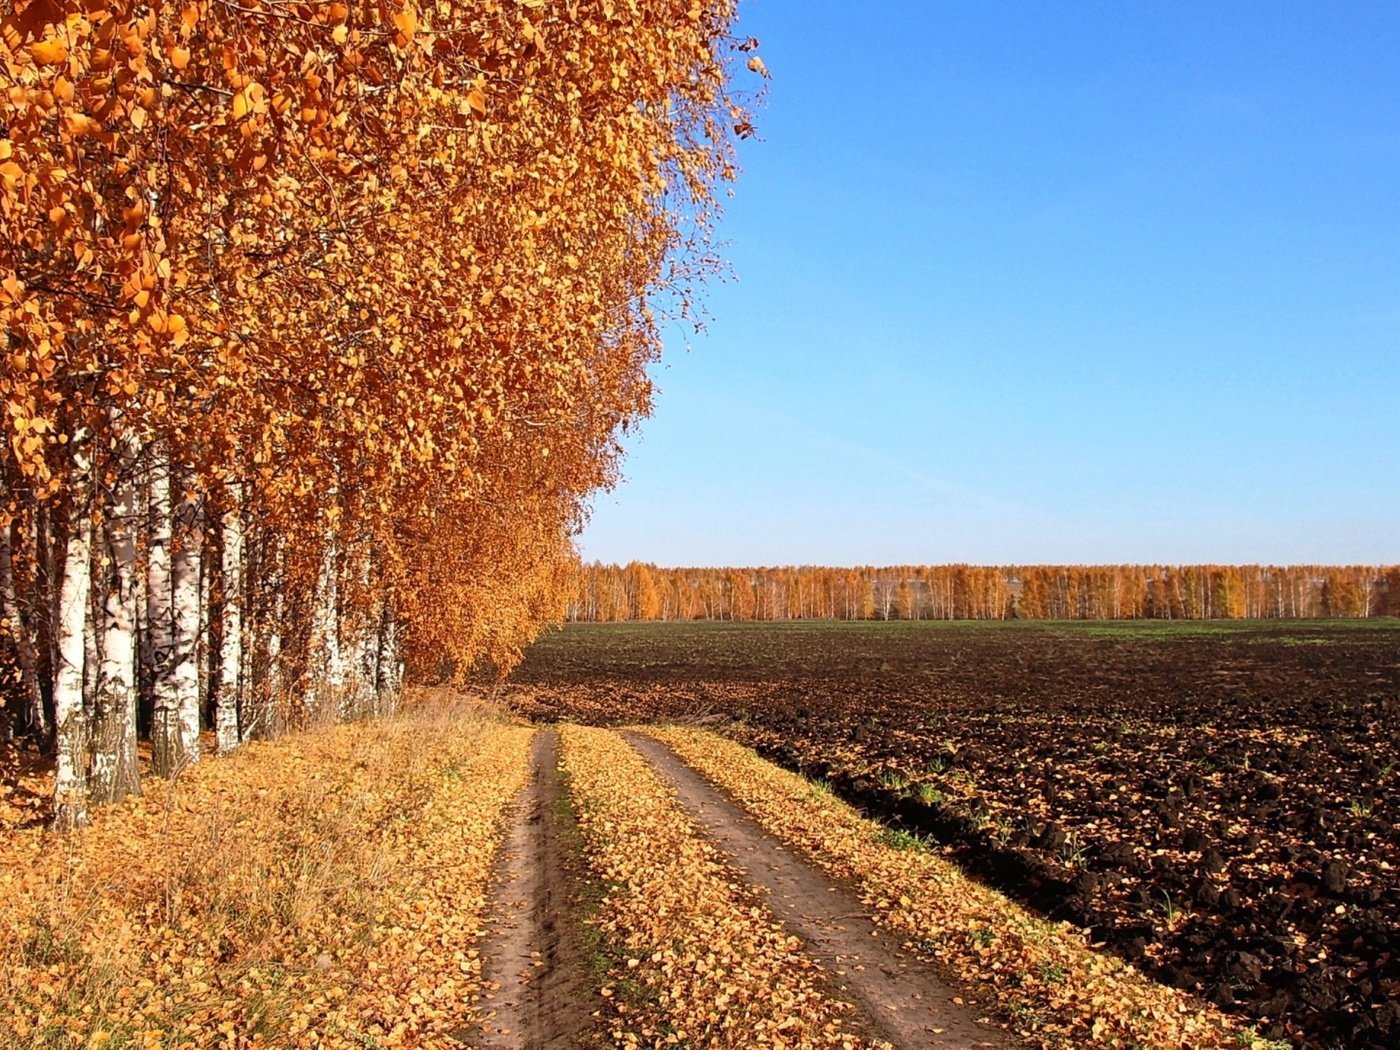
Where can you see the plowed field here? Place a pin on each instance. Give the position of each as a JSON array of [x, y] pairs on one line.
[[1217, 803]]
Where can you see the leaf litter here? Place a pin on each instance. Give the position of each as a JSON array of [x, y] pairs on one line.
[[322, 890], [693, 957]]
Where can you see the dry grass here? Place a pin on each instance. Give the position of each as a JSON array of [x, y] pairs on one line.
[[326, 889]]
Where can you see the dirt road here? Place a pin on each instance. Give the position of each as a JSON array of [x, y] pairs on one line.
[[536, 959], [902, 999]]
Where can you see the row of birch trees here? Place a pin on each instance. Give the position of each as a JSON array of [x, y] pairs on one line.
[[321, 320], [639, 591]]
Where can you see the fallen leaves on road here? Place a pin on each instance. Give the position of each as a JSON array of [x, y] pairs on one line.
[[695, 959]]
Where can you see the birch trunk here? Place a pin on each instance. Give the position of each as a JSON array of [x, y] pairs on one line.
[[231, 654], [367, 668], [92, 642], [44, 607], [389, 669], [246, 699], [143, 633], [167, 743], [263, 585], [206, 651], [272, 715], [362, 694], [22, 635], [115, 773], [70, 716], [184, 577], [325, 670]]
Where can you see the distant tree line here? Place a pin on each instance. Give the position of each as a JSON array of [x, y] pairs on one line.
[[640, 591]]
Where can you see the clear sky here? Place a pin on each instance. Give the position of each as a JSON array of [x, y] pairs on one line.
[[1044, 282]]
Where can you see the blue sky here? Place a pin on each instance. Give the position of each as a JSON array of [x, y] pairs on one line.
[[1034, 282]]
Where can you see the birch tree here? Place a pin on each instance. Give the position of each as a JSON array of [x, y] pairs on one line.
[[167, 742], [380, 278], [185, 619], [231, 676], [70, 713], [19, 624], [114, 767]]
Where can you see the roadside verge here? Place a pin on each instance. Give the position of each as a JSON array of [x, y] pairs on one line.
[[1049, 984]]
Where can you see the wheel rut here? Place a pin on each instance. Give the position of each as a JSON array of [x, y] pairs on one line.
[[902, 998], [534, 959]]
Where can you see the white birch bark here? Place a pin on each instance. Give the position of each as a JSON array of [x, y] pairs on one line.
[[247, 675], [92, 648], [114, 768], [231, 647], [184, 586], [335, 652], [206, 654], [70, 716], [167, 743], [246, 700]]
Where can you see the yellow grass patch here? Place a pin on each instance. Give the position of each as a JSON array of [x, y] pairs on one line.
[[322, 890]]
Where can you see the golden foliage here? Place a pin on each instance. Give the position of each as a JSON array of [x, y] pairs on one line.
[[638, 591], [389, 271]]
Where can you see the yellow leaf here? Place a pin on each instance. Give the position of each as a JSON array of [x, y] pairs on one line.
[[49, 52], [179, 57], [477, 101], [81, 123], [340, 34], [241, 106]]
